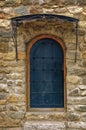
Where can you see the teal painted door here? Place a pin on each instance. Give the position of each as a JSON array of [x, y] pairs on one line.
[[46, 74]]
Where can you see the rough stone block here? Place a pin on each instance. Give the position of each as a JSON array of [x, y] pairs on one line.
[[73, 117], [73, 79], [76, 101], [83, 117], [21, 55], [77, 125], [75, 9], [81, 108], [44, 125], [82, 87], [3, 64], [2, 15], [3, 96], [12, 2], [14, 98], [84, 80], [5, 23], [3, 88], [5, 34], [8, 10], [85, 37], [16, 115], [12, 107], [2, 108], [22, 10], [70, 55], [82, 24], [18, 128], [81, 2], [54, 116], [83, 93], [1, 55], [75, 92], [36, 10], [18, 69], [71, 46], [1, 3], [60, 10], [3, 102], [4, 47], [1, 77], [9, 56], [15, 76], [84, 55], [79, 71], [10, 83], [84, 63], [19, 82]]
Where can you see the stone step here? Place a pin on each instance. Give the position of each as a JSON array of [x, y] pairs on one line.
[[44, 125]]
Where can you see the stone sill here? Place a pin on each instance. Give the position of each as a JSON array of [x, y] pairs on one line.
[[46, 110], [44, 125]]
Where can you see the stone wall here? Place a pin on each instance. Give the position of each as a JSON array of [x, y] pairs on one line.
[[13, 113]]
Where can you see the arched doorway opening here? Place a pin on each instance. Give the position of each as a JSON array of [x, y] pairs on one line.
[[46, 72]]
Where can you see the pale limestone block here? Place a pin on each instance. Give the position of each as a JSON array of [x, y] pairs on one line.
[[83, 126], [73, 117], [76, 101], [3, 88], [83, 93], [8, 10], [75, 92], [73, 79], [82, 24], [61, 10], [74, 125], [44, 125], [16, 115], [81, 108], [82, 87], [14, 98], [75, 9], [83, 117], [5, 23]]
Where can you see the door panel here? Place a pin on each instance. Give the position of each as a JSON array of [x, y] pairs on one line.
[[46, 74]]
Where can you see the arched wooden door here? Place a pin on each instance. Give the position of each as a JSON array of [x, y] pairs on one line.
[[46, 74]]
